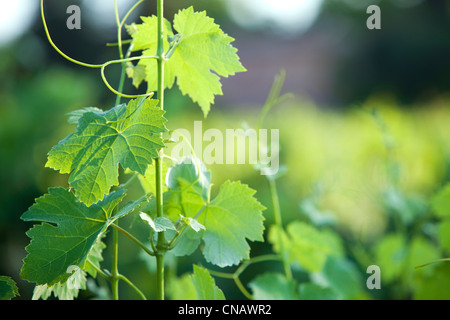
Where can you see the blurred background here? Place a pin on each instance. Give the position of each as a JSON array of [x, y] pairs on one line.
[[364, 137]]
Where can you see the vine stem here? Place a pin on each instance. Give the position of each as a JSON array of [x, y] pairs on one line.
[[121, 277], [174, 240], [116, 276], [132, 238], [159, 160], [103, 65], [115, 266], [432, 262], [235, 276], [122, 77], [272, 100], [132, 285], [279, 224], [120, 24], [44, 21]]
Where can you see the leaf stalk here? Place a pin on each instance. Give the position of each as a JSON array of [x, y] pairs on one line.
[[159, 159]]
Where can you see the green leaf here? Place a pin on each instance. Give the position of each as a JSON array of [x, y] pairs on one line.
[[126, 134], [189, 173], [436, 285], [189, 187], [95, 256], [8, 288], [193, 224], [145, 35], [66, 236], [159, 224], [313, 291], [75, 116], [317, 217], [232, 217], [187, 243], [205, 286], [182, 288], [343, 277], [280, 240], [190, 237], [197, 286], [137, 73], [306, 245], [147, 180], [69, 290], [444, 235], [390, 255], [421, 251], [129, 207], [440, 203], [273, 286], [407, 208], [202, 55]]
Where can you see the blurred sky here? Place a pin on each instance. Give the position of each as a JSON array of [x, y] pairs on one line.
[[15, 18], [283, 15]]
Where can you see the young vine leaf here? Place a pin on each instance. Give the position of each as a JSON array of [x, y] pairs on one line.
[[274, 286], [440, 203], [314, 291], [147, 180], [189, 239], [70, 289], [8, 288], [205, 286], [196, 286], [186, 175], [159, 224], [203, 53], [188, 188], [126, 134], [233, 216], [306, 245], [230, 218], [68, 232], [66, 291], [344, 279]]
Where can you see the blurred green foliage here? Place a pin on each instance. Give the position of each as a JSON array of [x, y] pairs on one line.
[[369, 176], [373, 176]]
